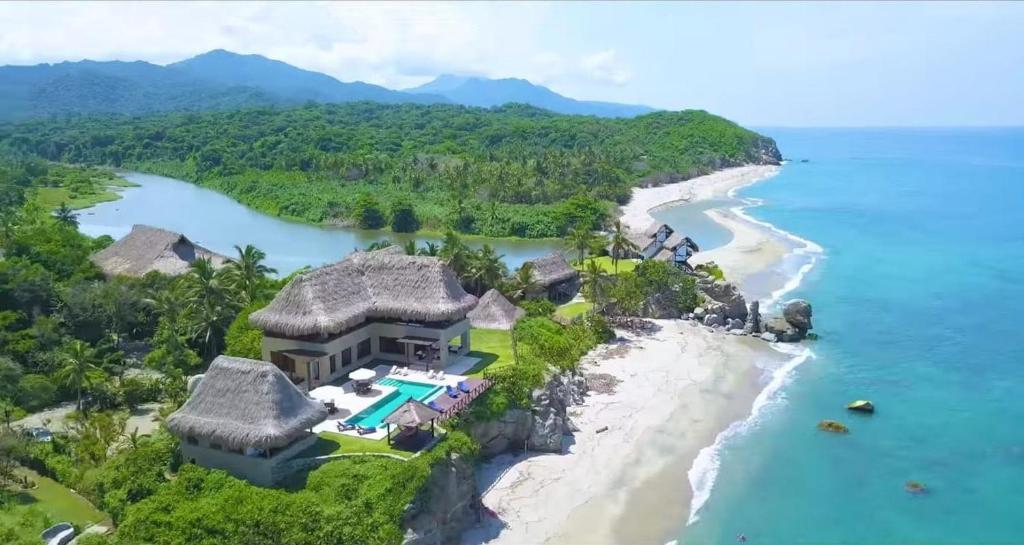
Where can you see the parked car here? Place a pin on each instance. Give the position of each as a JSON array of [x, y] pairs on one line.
[[40, 434]]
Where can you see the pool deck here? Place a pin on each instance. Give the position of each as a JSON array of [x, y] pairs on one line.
[[350, 404]]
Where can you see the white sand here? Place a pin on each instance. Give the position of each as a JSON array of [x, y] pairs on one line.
[[636, 214], [679, 388]]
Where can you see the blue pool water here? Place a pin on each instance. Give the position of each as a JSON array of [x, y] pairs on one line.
[[373, 415], [916, 298]]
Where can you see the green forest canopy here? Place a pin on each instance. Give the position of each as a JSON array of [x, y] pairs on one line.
[[508, 171]]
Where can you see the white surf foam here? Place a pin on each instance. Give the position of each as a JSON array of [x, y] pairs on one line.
[[704, 471]]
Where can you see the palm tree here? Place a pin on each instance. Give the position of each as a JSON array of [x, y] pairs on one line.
[[65, 215], [620, 244], [595, 284], [522, 282], [455, 254], [79, 370], [429, 249], [409, 247], [208, 308], [486, 269], [379, 245], [580, 240], [247, 275]]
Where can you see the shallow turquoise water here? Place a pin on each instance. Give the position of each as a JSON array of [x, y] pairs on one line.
[[916, 301], [373, 415]]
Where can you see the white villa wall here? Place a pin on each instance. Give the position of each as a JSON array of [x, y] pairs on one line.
[[351, 340], [258, 471]]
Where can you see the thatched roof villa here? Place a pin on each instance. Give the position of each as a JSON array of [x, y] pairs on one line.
[[370, 305], [555, 278], [494, 311], [147, 249], [246, 417]]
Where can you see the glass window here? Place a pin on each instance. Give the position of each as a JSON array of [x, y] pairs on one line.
[[314, 369], [334, 364], [363, 348], [390, 345], [346, 357]]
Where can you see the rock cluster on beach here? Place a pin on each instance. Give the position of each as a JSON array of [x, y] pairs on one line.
[[724, 307]]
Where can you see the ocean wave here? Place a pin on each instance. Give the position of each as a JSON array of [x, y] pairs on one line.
[[704, 471]]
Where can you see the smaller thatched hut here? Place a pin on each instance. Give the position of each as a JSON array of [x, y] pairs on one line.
[[555, 278], [147, 249], [245, 417], [494, 311], [410, 416]]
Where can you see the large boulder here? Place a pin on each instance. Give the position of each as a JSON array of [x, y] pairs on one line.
[[550, 421], [783, 330], [734, 324], [798, 314], [714, 320], [753, 323], [729, 296], [444, 506], [509, 432]]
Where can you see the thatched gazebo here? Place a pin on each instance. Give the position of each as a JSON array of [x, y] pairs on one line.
[[555, 278], [243, 411], [147, 249], [494, 311], [410, 416]]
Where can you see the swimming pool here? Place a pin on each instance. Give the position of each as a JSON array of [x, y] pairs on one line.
[[373, 415]]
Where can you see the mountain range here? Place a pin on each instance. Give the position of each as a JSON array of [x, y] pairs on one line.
[[221, 80]]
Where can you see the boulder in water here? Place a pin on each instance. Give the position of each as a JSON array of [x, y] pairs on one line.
[[833, 426], [783, 330], [798, 314], [862, 406], [915, 487], [770, 337]]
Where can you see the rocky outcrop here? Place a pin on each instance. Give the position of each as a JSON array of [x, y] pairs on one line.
[[833, 426], [734, 324], [541, 428], [753, 323], [798, 314], [728, 298], [444, 506], [509, 432], [783, 330], [714, 320], [862, 406]]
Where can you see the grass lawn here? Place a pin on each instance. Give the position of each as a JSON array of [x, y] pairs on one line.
[[625, 265], [569, 311], [52, 197], [492, 346], [337, 443], [52, 498]]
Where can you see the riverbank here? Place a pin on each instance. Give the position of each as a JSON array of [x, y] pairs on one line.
[[678, 389]]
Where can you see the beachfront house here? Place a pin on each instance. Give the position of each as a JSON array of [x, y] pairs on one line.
[[409, 310], [677, 250], [554, 278], [648, 242], [146, 249], [247, 418]]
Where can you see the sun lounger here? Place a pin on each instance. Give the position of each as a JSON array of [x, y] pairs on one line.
[[344, 426], [440, 375], [435, 406], [463, 387], [452, 392], [394, 370], [363, 430], [430, 374]]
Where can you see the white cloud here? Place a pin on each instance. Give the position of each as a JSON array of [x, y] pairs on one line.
[[605, 67]]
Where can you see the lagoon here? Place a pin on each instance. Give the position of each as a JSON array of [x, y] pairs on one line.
[[218, 222]]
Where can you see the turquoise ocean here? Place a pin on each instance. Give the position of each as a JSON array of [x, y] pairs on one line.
[[914, 267]]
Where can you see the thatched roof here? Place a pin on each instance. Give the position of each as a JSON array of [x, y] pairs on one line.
[[243, 403], [147, 249], [412, 414], [652, 229], [365, 285], [677, 240], [552, 269], [495, 312]]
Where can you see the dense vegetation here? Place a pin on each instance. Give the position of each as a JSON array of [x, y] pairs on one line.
[[508, 171]]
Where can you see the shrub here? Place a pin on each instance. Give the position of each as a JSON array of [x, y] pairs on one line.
[[538, 308], [36, 392], [242, 339], [367, 213], [403, 217]]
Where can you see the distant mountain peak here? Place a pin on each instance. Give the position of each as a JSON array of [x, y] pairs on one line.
[[486, 92]]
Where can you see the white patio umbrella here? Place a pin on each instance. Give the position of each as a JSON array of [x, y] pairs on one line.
[[362, 374]]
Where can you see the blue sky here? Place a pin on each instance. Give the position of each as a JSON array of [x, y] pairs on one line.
[[762, 64]]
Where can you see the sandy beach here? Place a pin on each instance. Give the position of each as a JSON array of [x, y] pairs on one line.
[[680, 387], [628, 484]]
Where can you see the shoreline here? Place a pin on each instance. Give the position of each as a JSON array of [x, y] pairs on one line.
[[684, 392]]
